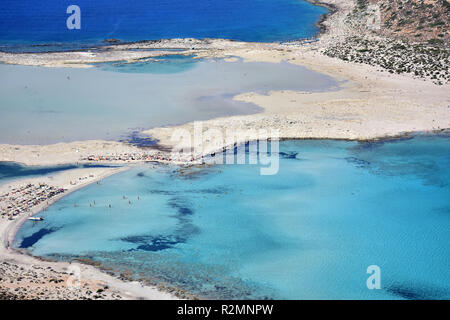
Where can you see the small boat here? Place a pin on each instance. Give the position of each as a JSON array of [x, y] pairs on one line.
[[36, 218]]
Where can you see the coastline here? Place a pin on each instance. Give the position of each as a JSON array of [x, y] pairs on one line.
[[332, 10], [369, 105], [92, 278], [16, 224]]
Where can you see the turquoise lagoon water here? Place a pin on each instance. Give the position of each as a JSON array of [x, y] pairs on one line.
[[309, 232], [27, 23], [49, 105]]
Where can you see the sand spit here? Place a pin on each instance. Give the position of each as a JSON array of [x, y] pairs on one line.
[[370, 102]]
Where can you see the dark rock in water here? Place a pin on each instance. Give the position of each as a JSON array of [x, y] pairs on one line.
[[153, 243], [111, 40]]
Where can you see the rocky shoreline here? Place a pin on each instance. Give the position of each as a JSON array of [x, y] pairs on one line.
[[332, 9], [25, 277]]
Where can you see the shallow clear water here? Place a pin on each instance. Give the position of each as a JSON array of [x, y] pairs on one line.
[[310, 231], [44, 22], [48, 105]]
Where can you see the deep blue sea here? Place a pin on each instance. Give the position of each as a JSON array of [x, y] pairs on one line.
[[44, 22], [309, 232]]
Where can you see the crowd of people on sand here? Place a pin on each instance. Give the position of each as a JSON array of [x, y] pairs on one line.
[[22, 199], [158, 156]]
